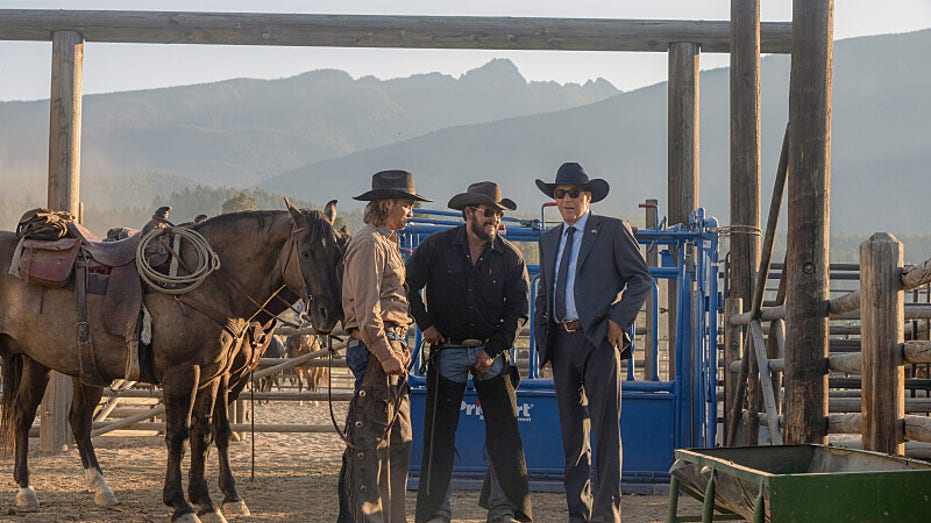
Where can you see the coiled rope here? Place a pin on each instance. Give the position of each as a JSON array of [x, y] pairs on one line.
[[207, 262]]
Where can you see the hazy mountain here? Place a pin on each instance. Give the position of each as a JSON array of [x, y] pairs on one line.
[[881, 120], [243, 131]]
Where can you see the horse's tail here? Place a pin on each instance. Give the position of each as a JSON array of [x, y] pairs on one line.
[[12, 375]]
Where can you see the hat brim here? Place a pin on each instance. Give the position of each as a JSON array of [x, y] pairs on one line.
[[598, 187], [389, 194], [466, 199]]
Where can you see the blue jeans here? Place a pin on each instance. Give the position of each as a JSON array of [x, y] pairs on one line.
[[455, 364], [357, 359]]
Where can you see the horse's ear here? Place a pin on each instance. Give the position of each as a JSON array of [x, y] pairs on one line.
[[295, 212], [330, 211]]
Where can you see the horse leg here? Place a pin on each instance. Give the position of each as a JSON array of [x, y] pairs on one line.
[[32, 384], [232, 503], [83, 400], [179, 386], [201, 436], [299, 373]]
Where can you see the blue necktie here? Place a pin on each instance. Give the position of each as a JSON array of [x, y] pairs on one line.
[[562, 276]]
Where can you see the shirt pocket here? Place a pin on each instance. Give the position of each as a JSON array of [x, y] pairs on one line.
[[491, 288], [450, 276]]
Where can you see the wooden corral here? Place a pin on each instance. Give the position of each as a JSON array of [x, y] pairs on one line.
[[808, 38], [880, 412]]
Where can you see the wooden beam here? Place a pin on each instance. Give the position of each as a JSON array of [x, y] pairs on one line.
[[769, 396], [414, 32], [64, 180], [683, 157], [806, 380], [745, 146], [733, 340], [881, 340]]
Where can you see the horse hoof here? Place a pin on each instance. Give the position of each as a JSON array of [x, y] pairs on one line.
[[106, 499], [214, 516], [236, 508], [26, 498], [186, 518]]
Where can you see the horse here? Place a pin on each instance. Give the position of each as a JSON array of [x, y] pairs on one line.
[[298, 345], [194, 347]]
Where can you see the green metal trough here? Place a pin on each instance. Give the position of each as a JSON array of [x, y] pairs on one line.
[[801, 483]]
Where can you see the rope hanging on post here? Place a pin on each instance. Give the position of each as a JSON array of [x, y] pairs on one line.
[[207, 262]]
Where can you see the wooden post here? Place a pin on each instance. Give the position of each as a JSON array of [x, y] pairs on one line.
[[650, 206], [882, 319], [807, 291], [683, 133], [733, 340], [745, 164], [64, 168]]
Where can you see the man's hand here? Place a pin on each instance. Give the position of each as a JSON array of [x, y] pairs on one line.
[[393, 365], [615, 335], [483, 361], [434, 336]]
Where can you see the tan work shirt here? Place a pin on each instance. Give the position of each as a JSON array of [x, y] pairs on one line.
[[373, 288]]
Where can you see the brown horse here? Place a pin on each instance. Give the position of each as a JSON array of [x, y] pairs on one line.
[[298, 345], [193, 350]]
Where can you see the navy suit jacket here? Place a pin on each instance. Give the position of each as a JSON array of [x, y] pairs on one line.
[[611, 281]]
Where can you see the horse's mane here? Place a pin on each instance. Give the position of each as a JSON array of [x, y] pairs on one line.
[[264, 220]]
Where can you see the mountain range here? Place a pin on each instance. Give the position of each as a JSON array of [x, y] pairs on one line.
[[240, 132], [881, 130], [320, 135]]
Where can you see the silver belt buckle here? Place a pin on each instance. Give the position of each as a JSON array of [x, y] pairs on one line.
[[471, 342], [566, 327]]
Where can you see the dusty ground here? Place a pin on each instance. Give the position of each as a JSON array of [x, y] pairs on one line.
[[295, 480]]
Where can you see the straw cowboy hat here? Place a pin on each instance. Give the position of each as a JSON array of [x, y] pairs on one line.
[[395, 184], [571, 173], [482, 193]]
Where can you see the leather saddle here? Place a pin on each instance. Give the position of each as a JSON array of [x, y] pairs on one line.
[[106, 268]]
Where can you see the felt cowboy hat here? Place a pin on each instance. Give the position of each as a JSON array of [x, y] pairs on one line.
[[571, 173], [482, 193], [390, 185]]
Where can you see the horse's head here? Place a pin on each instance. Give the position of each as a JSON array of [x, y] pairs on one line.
[[319, 247]]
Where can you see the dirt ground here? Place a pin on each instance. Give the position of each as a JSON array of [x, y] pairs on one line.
[[295, 481]]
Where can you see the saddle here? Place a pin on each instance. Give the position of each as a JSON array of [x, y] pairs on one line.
[[106, 268]]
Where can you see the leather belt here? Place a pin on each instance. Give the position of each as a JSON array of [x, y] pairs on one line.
[[570, 325], [467, 342], [397, 329]]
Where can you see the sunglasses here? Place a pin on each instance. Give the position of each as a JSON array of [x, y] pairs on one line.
[[488, 212], [573, 193]]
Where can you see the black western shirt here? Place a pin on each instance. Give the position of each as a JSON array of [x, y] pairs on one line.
[[485, 301]]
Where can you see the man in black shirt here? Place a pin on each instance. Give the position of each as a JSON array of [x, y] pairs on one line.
[[478, 293]]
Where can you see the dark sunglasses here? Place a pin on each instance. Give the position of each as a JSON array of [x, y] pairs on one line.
[[488, 212], [573, 193]]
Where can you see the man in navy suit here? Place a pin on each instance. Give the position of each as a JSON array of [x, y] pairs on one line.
[[593, 281]]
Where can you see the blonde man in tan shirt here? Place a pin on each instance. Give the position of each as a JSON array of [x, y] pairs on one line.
[[373, 479]]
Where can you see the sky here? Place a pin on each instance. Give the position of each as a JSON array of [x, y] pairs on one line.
[[25, 66]]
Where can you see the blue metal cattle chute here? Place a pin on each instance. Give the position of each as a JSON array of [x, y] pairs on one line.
[[658, 415]]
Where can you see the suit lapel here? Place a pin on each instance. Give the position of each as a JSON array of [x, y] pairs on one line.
[[588, 240], [550, 245]]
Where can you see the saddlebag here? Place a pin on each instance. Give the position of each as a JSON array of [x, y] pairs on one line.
[[49, 263]]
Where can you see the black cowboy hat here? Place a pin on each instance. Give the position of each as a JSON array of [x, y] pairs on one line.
[[482, 193], [395, 184], [571, 173]]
